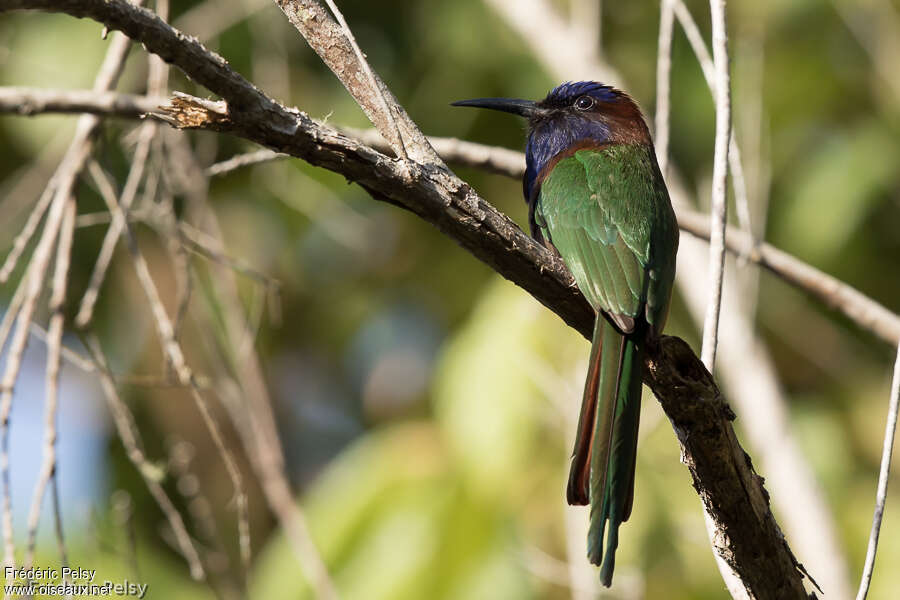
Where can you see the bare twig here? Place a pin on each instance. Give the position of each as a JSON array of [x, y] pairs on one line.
[[54, 344], [243, 160], [35, 101], [175, 355], [9, 316], [718, 205], [63, 182], [739, 184], [136, 172], [24, 236], [130, 436], [461, 152], [261, 439], [20, 188], [202, 244], [663, 84], [890, 429], [33, 282], [865, 312], [71, 356]]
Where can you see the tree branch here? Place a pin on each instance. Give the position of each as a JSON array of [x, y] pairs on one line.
[[747, 533], [723, 474], [862, 310], [34, 101], [335, 45]]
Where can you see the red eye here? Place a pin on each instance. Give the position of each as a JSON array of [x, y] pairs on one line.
[[584, 103]]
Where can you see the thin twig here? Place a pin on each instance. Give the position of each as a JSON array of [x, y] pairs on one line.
[[131, 440], [203, 245], [33, 283], [461, 152], [25, 234], [23, 185], [663, 84], [240, 161], [718, 205], [9, 317], [865, 312], [135, 174], [890, 429], [63, 182], [54, 344], [261, 439], [738, 181], [175, 355], [29, 102]]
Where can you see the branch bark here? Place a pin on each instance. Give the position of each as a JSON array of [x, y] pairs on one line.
[[723, 474]]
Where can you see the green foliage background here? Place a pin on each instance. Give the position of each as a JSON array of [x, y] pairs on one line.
[[424, 402]]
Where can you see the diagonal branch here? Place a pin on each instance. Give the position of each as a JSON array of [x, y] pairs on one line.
[[890, 429], [862, 310], [749, 536], [335, 45]]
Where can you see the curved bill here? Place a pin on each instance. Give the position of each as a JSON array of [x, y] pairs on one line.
[[524, 108]]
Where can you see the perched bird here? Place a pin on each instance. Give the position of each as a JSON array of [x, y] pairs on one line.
[[596, 195]]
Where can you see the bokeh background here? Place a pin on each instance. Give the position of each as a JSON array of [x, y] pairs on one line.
[[424, 403]]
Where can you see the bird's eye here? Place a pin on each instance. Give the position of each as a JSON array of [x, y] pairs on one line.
[[584, 103]]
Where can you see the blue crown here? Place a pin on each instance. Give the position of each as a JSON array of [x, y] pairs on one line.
[[566, 93]]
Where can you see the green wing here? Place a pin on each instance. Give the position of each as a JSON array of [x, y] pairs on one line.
[[608, 214]]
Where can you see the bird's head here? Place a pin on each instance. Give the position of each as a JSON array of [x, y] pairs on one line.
[[574, 115]]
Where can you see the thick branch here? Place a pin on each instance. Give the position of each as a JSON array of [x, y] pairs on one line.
[[336, 47], [722, 473]]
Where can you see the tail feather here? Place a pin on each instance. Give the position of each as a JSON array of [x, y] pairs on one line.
[[578, 490], [603, 467]]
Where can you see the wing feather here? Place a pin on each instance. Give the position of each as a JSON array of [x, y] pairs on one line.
[[583, 218]]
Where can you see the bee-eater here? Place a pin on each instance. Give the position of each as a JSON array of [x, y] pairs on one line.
[[596, 195]]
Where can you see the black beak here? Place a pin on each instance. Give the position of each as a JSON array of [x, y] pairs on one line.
[[524, 108]]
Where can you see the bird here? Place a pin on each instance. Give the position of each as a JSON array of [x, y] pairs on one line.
[[597, 198]]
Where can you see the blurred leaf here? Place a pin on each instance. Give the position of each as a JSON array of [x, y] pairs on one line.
[[832, 192]]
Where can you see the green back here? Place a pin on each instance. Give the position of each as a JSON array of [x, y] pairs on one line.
[[608, 213]]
